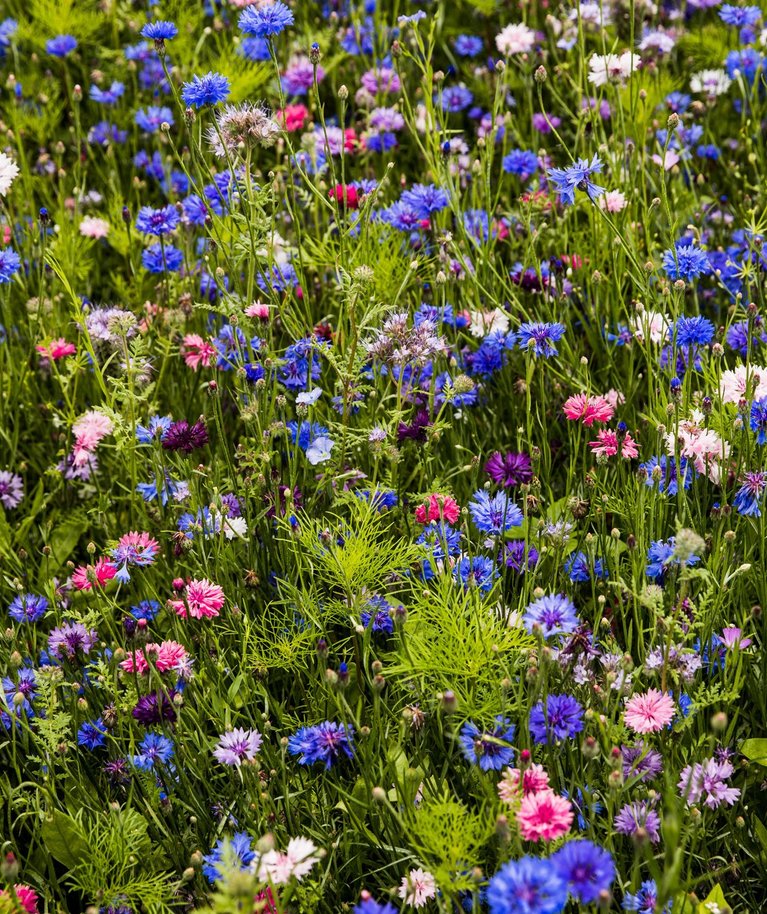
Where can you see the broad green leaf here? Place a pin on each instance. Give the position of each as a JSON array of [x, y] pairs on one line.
[[64, 839], [755, 750]]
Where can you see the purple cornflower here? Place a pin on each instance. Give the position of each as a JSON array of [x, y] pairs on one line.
[[514, 556], [554, 614], [155, 708], [237, 745], [563, 718], [11, 489], [540, 337], [267, 21], [326, 742], [181, 436], [634, 816], [27, 607], [576, 176], [209, 89], [379, 614], [454, 98], [489, 749], [151, 118], [70, 639], [587, 869], [707, 782], [510, 469]]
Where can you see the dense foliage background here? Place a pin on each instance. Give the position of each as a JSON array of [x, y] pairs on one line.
[[383, 405]]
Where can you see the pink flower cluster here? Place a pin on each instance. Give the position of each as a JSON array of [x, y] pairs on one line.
[[203, 600], [438, 508], [169, 655], [541, 814]]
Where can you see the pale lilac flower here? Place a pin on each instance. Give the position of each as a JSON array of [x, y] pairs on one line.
[[236, 746]]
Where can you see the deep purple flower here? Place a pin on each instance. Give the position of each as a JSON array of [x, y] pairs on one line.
[[634, 816], [510, 469], [181, 436], [11, 489], [641, 762], [155, 708], [70, 639]]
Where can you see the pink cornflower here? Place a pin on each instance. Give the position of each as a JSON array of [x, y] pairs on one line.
[[296, 862], [88, 430], [608, 444], [649, 712], [588, 410], [236, 746], [169, 655], [258, 310], [533, 780], [197, 351], [417, 888], [27, 898], [102, 571], [56, 349], [292, 117], [544, 815], [93, 227], [133, 549], [203, 600], [439, 507]]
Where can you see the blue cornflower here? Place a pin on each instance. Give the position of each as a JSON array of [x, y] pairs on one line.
[[369, 905], [747, 62], [669, 478], [489, 749], [479, 571], [149, 119], [209, 89], [562, 719], [267, 21], [520, 162], [553, 613], [159, 259], [662, 556], [380, 499], [750, 494], [738, 336], [740, 15], [159, 31], [530, 885], [379, 614], [28, 607], [692, 331], [108, 96], [454, 98], [758, 420], [157, 221], [494, 514], [678, 102], [92, 735], [580, 570], [541, 337], [236, 851], [577, 176], [685, 261], [146, 609], [164, 490], [587, 869], [154, 749], [645, 901], [155, 430], [441, 538], [8, 29], [305, 433], [468, 45], [61, 45], [10, 263], [424, 200], [256, 49], [326, 742]]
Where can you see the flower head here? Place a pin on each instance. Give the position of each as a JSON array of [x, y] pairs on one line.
[[649, 712], [210, 89], [327, 742], [490, 749], [236, 746]]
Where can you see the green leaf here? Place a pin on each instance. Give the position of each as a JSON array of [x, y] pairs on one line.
[[64, 839], [755, 750], [714, 903], [64, 538], [761, 833]]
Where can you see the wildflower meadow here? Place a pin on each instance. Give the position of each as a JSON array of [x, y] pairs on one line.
[[383, 457]]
